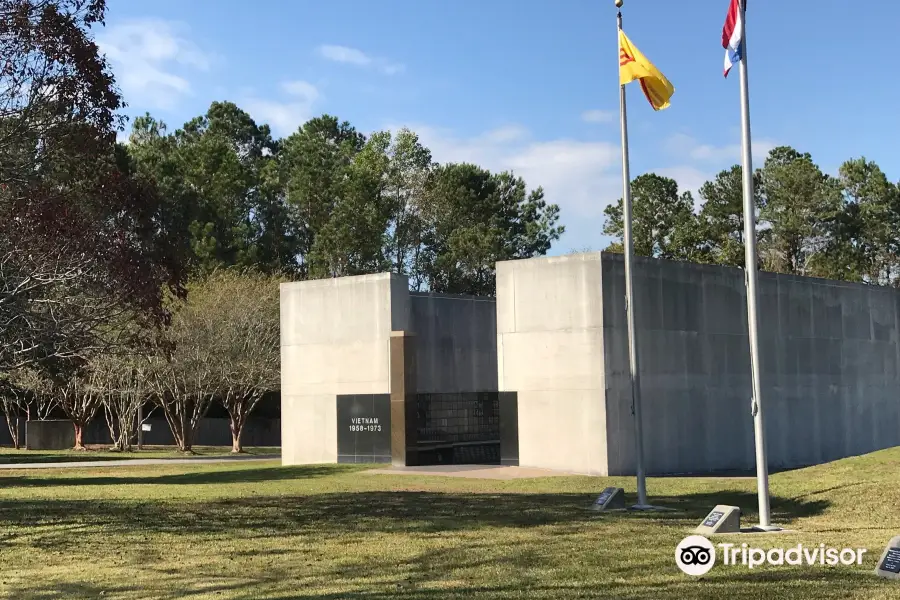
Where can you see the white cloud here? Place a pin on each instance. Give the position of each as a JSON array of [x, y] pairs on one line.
[[598, 116], [582, 177], [285, 116], [152, 58], [683, 145], [702, 161], [353, 56], [345, 55]]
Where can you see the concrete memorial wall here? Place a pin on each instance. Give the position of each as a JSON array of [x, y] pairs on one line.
[[554, 344], [829, 352], [336, 347]]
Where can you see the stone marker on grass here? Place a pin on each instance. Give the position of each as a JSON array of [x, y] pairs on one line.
[[722, 519], [889, 563], [609, 499]]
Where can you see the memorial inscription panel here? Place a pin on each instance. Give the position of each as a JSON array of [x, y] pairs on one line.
[[610, 498], [364, 428], [721, 519], [713, 518], [889, 563]]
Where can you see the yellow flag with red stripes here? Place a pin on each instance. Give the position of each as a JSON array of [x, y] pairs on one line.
[[634, 65]]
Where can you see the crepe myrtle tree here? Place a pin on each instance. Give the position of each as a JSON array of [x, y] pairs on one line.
[[81, 396], [183, 372], [14, 397], [25, 392], [124, 381], [28, 391], [245, 307], [223, 343]]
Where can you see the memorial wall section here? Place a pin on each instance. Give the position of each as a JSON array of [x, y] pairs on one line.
[[550, 348], [339, 365], [830, 364]]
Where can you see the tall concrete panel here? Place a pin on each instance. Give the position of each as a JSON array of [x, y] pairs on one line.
[[695, 367], [335, 339], [550, 351]]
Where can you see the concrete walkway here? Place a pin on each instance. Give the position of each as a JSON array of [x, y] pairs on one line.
[[135, 462], [472, 471]]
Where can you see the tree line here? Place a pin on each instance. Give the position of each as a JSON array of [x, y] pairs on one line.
[[844, 227], [328, 201], [145, 275]]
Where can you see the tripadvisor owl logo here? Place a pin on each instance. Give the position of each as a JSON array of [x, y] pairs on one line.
[[695, 555]]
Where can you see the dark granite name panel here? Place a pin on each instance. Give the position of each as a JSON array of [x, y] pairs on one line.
[[467, 428], [364, 428], [509, 428]]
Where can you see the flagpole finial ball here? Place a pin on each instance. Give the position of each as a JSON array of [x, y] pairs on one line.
[[619, 3]]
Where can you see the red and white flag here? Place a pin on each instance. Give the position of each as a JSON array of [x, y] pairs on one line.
[[733, 34]]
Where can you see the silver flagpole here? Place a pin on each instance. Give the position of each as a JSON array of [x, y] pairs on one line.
[[750, 272], [629, 296]]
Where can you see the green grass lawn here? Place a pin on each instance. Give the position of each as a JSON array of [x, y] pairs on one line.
[[100, 453], [260, 531]]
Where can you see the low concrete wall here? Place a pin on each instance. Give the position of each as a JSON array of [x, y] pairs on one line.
[[211, 432], [5, 437], [49, 435], [60, 435]]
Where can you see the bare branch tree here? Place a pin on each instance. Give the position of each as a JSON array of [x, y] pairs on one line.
[[80, 238], [127, 385], [14, 400], [81, 397], [246, 333], [36, 389], [184, 372]]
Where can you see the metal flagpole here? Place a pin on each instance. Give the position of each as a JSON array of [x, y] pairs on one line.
[[750, 272], [629, 296]]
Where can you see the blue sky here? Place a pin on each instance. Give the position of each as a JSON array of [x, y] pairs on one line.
[[527, 85]]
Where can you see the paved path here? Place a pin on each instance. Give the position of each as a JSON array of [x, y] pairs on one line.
[[472, 471], [134, 462]]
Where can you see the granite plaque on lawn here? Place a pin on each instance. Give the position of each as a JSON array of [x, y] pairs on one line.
[[889, 563], [721, 519], [609, 499]]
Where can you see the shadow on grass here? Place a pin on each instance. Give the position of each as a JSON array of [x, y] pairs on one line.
[[737, 473], [831, 585], [696, 506], [822, 584], [357, 513], [84, 591], [38, 457], [105, 453], [354, 516], [34, 479]]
